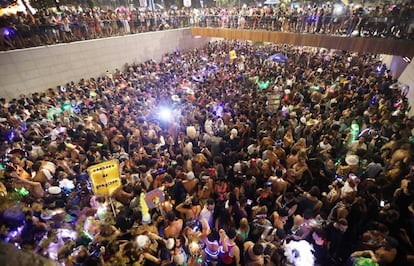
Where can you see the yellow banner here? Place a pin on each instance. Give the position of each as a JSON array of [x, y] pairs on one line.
[[105, 177], [232, 54]]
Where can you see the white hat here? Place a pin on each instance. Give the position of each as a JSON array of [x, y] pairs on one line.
[[146, 218], [190, 91], [170, 243], [303, 120], [352, 159], [190, 175], [46, 215], [287, 91], [2, 119], [142, 241], [175, 98], [54, 190], [66, 183]]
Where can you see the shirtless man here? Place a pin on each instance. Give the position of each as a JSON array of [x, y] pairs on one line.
[[174, 227]]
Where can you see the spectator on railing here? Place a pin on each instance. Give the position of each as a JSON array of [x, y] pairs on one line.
[[65, 29], [47, 27]]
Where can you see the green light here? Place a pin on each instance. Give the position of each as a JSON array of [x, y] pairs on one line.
[[87, 234], [263, 85], [355, 126], [52, 112], [199, 260], [354, 130], [22, 191], [315, 88], [66, 107], [360, 261]]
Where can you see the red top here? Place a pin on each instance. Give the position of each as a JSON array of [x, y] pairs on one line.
[[225, 256]]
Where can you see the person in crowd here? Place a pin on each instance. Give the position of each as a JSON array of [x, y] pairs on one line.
[[231, 186], [229, 252], [253, 254], [50, 26]]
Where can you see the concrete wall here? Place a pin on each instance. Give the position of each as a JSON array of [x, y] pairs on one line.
[[407, 78], [404, 73], [396, 64], [36, 69]]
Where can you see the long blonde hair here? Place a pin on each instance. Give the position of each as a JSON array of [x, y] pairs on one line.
[[244, 224]]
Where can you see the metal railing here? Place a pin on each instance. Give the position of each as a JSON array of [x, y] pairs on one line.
[[24, 36], [18, 36], [384, 27]]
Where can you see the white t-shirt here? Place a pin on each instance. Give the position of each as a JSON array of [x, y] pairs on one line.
[[208, 127], [324, 146], [346, 189], [208, 215]]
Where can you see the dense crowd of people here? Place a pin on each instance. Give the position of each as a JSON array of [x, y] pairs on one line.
[[390, 21], [74, 24], [301, 159]]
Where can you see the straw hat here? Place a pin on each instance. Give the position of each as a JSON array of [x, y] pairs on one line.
[[175, 98], [46, 215], [303, 120], [54, 190], [352, 159], [189, 91]]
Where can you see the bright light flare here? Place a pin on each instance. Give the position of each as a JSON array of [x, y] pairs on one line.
[[338, 10], [165, 113]]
